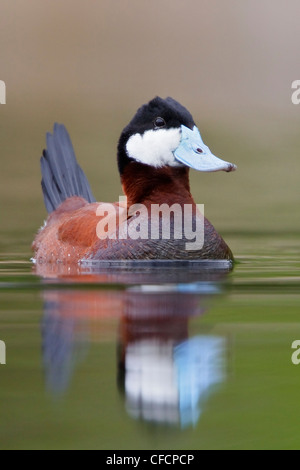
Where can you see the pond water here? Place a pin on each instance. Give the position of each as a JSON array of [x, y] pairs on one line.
[[153, 357]]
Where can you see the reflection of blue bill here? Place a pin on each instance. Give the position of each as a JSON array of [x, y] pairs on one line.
[[168, 384], [200, 366]]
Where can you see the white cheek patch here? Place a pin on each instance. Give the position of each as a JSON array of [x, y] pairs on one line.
[[155, 147]]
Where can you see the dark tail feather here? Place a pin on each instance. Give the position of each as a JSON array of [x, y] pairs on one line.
[[62, 177]]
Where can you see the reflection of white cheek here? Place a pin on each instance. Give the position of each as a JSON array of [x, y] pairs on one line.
[[155, 147]]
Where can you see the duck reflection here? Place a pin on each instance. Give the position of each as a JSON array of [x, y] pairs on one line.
[[165, 374]]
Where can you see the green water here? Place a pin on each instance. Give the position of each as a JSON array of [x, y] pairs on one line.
[[137, 363]]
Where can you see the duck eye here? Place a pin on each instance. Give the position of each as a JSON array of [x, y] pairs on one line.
[[159, 122], [199, 150]]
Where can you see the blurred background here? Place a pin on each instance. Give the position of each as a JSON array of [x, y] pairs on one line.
[[90, 64]]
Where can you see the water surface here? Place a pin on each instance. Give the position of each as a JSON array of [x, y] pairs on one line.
[[153, 358]]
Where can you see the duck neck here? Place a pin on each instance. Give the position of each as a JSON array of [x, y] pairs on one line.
[[146, 185]]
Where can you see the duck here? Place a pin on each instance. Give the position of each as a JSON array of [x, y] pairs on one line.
[[155, 153]]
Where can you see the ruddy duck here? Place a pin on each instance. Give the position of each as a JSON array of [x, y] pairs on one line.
[[155, 152]]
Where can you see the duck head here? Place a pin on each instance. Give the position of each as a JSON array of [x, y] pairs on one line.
[[163, 133], [156, 151]]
